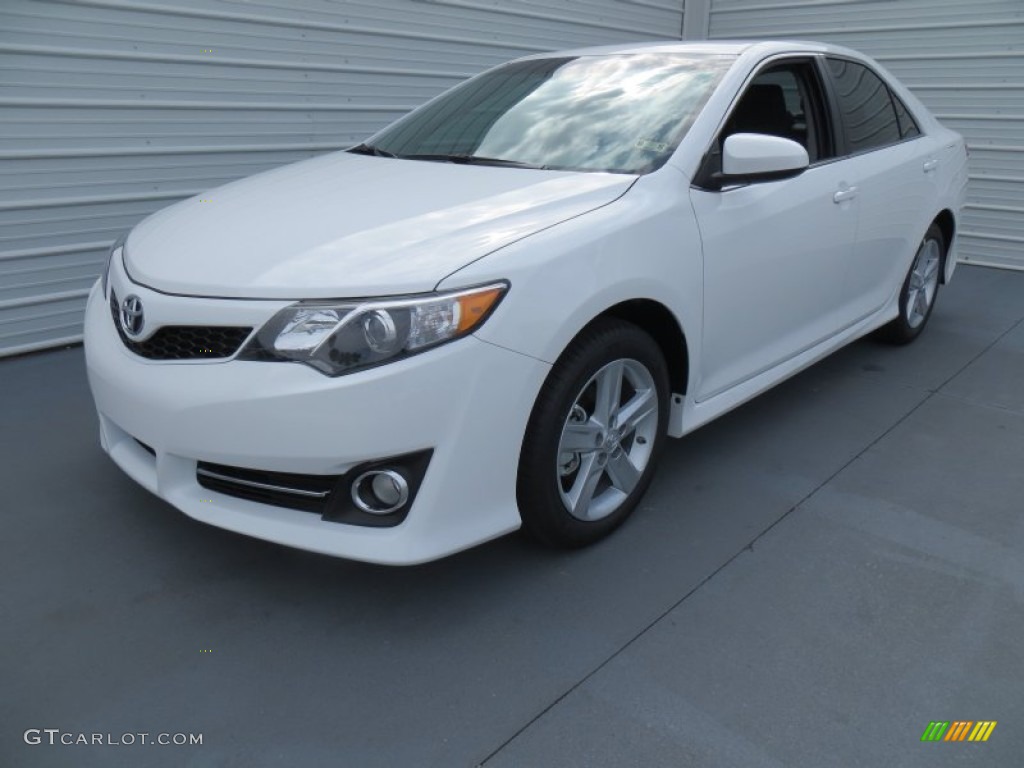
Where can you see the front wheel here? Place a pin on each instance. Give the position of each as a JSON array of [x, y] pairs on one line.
[[920, 288], [594, 435]]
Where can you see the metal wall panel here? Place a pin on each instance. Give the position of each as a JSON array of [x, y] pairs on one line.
[[963, 58], [115, 108]]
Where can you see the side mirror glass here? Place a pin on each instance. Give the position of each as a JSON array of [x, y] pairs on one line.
[[748, 157]]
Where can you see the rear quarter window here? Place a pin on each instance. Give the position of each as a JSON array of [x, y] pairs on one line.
[[908, 125]]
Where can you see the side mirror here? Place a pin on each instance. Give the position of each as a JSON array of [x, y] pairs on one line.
[[759, 157]]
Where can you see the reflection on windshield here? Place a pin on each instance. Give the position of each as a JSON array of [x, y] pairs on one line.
[[622, 113]]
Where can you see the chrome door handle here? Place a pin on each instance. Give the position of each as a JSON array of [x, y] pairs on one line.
[[844, 194], [930, 165]]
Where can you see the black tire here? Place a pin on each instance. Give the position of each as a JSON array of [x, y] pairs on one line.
[[583, 371], [910, 322]]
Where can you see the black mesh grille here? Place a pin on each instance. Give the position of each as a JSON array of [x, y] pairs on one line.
[[269, 487], [183, 342]]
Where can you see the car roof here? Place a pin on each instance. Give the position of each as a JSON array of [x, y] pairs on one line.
[[716, 47]]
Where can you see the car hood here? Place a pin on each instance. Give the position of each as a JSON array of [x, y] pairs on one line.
[[347, 225]]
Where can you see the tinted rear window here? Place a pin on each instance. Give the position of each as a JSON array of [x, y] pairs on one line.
[[908, 126], [868, 115]]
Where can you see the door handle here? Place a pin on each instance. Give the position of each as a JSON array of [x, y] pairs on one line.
[[847, 193], [930, 165]]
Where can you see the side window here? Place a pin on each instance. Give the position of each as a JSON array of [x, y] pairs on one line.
[[784, 100], [867, 110], [908, 126]]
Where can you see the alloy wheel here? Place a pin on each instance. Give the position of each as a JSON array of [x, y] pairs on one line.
[[924, 282], [607, 439]]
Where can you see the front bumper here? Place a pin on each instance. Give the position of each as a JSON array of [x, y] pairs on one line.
[[468, 401]]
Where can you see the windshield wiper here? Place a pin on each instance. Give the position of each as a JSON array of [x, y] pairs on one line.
[[369, 149], [464, 159]]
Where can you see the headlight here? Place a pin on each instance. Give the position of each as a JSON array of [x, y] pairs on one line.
[[341, 337], [114, 249]]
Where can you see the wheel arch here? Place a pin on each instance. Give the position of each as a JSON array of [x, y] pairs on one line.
[[658, 322]]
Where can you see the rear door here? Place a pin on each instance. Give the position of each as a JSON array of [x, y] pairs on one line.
[[893, 168]]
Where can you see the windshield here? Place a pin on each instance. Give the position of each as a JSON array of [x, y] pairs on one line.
[[623, 113]]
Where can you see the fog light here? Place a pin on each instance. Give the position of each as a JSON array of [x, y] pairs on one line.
[[380, 491]]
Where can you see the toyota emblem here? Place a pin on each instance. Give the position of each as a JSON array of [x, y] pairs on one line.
[[132, 319]]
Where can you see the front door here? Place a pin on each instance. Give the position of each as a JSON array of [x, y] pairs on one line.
[[775, 253]]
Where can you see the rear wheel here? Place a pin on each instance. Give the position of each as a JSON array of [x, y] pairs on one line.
[[920, 288], [594, 435]]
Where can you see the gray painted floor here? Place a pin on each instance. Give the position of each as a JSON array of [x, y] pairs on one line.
[[810, 581]]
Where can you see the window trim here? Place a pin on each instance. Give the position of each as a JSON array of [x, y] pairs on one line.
[[831, 105]]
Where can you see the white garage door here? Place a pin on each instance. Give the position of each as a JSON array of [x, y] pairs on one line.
[[963, 58], [115, 108]]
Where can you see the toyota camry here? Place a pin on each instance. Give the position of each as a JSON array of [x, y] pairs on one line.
[[492, 313]]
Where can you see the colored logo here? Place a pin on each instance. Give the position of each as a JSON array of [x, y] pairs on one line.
[[958, 730]]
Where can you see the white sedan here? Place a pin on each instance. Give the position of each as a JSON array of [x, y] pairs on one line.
[[493, 312]]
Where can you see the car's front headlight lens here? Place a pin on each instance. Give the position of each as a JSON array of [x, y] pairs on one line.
[[346, 336], [115, 250]]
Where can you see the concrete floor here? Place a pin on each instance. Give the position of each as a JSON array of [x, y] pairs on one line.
[[810, 581]]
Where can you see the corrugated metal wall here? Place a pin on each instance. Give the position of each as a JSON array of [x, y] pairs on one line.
[[963, 58], [115, 108]]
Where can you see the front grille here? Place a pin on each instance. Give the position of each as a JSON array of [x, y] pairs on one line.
[[183, 342]]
